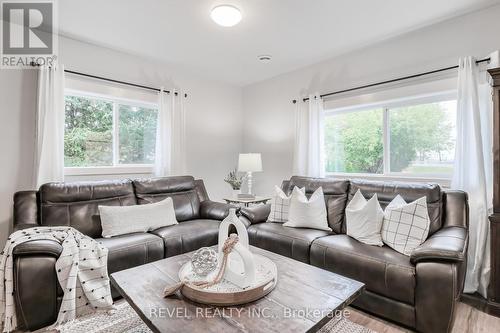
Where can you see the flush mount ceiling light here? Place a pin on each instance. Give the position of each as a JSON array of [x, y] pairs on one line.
[[226, 15], [264, 58]]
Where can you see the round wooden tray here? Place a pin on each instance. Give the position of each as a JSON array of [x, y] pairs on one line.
[[227, 294]]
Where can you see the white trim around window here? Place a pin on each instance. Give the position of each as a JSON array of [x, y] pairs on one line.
[[444, 182], [395, 103], [109, 170], [119, 100]]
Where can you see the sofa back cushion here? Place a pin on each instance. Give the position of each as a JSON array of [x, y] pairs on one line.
[[335, 192], [182, 190], [76, 204], [387, 191]]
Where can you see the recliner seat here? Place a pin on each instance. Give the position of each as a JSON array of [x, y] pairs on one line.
[[294, 243], [126, 251], [391, 273], [188, 236]]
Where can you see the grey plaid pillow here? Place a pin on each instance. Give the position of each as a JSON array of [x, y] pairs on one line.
[[406, 225], [280, 206]]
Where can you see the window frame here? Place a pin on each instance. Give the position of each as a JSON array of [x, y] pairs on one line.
[[116, 168], [386, 106]]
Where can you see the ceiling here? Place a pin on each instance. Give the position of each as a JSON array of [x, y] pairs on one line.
[[296, 33]]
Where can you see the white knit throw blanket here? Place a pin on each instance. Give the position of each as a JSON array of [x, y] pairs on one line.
[[81, 270]]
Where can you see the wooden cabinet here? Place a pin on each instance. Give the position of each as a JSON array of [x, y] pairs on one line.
[[494, 288]]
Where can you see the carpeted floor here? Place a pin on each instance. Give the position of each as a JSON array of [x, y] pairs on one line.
[[125, 320]]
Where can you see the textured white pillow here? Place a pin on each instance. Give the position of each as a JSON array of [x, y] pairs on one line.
[[406, 225], [364, 219], [120, 220], [307, 213], [280, 205]]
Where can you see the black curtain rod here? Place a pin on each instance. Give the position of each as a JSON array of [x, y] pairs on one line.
[[391, 81], [117, 81]]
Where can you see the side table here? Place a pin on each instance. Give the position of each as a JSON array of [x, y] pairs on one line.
[[246, 202]]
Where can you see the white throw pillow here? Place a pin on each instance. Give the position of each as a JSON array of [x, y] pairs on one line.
[[307, 213], [364, 219], [406, 225], [120, 220], [280, 205]]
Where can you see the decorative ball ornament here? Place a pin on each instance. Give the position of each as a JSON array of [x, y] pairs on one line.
[[204, 261]]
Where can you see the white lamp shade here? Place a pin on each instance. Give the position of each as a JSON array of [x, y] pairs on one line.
[[249, 163]]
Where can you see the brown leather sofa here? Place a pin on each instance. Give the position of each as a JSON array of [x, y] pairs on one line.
[[419, 291], [37, 291]]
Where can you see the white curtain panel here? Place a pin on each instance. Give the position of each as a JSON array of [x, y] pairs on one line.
[[49, 141], [170, 157], [472, 169], [308, 157]]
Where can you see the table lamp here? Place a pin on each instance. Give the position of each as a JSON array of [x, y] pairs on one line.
[[249, 163]]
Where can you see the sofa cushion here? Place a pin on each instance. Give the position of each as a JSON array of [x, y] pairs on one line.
[[290, 242], [126, 251], [188, 236], [410, 192], [383, 270], [334, 190], [76, 204], [182, 190]]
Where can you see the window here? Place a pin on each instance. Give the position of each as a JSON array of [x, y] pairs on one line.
[[354, 142], [108, 132], [407, 138]]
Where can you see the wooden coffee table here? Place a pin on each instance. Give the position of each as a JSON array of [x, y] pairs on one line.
[[304, 299]]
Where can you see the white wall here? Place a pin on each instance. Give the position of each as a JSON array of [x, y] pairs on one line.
[[17, 105], [214, 118], [269, 113]]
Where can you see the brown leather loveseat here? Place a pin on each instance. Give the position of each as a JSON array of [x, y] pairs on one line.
[[419, 291], [37, 291]]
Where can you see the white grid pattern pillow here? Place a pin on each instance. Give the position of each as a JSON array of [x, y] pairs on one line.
[[280, 205], [406, 225]]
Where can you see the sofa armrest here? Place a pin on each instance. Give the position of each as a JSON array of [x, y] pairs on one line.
[[215, 210], [36, 286], [38, 247], [257, 213], [447, 244]]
